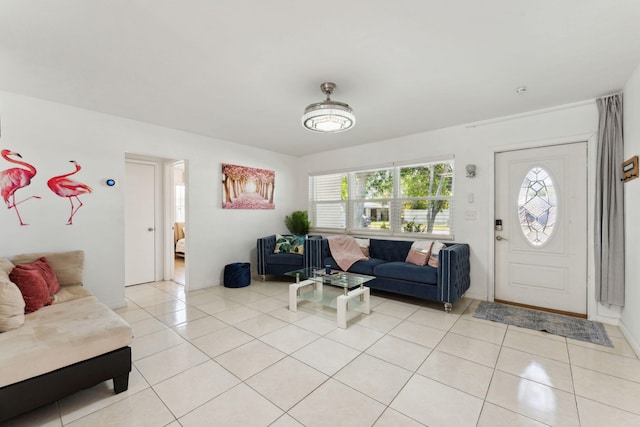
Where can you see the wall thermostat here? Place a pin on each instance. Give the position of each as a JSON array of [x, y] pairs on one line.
[[110, 182]]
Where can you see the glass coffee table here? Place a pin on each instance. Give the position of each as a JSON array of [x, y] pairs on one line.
[[310, 284]]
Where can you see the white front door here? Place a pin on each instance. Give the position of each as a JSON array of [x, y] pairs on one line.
[[139, 223], [541, 203]]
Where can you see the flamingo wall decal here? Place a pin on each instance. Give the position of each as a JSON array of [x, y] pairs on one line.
[[64, 186], [14, 179]]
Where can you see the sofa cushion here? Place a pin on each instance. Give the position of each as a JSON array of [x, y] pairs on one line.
[[11, 303], [67, 265], [389, 250], [6, 266], [408, 272], [366, 267], [60, 335], [285, 259], [69, 293], [33, 287]]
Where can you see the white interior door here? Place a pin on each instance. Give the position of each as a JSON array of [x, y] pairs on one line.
[[139, 223], [541, 252]]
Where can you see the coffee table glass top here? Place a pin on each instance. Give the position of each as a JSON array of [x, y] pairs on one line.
[[340, 279]]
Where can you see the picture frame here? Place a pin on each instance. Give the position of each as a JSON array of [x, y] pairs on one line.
[[244, 187], [630, 169]]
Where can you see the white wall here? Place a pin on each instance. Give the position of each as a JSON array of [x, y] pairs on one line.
[[631, 117], [471, 144], [48, 135]]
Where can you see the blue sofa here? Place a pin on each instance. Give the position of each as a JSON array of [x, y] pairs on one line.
[[280, 263], [446, 283]]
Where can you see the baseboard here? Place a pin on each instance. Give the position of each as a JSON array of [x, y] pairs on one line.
[[609, 320], [632, 342], [472, 295]]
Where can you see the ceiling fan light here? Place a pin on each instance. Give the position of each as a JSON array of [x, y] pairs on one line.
[[328, 116]]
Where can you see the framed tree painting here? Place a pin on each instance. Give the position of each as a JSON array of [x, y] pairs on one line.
[[247, 188]]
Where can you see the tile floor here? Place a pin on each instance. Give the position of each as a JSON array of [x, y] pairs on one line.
[[178, 269], [239, 357]]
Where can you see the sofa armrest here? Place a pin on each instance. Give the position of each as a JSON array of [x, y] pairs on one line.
[[454, 272], [318, 252], [265, 247], [313, 251]]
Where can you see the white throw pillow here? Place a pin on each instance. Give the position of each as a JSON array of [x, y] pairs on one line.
[[434, 259], [364, 246]]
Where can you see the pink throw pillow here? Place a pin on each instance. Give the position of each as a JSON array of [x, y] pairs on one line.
[[417, 257], [33, 287]]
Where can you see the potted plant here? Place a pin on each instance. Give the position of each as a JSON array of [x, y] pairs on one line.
[[297, 223]]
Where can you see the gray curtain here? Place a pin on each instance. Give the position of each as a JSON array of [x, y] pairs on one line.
[[609, 236]]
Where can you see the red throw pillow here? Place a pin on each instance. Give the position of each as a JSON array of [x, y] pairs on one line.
[[47, 273], [33, 287]]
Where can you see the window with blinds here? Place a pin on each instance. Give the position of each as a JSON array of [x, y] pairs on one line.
[[328, 201], [396, 200]]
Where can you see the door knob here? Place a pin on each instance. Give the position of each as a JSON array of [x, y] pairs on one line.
[[150, 229], [499, 238]]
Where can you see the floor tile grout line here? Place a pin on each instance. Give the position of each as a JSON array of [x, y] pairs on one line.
[[414, 372], [364, 351]]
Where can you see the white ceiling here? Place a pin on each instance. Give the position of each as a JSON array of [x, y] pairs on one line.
[[244, 70]]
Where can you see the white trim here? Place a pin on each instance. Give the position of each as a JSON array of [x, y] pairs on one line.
[[473, 295], [349, 170], [366, 168], [632, 342], [169, 202], [528, 114], [430, 160], [170, 219]]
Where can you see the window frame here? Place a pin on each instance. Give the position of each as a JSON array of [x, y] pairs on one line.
[[395, 202]]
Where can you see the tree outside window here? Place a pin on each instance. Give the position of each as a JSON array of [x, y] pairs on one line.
[[426, 194]]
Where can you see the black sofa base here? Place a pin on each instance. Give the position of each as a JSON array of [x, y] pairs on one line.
[[18, 398]]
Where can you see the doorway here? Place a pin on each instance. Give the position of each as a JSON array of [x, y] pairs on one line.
[[541, 227], [150, 218], [178, 211]]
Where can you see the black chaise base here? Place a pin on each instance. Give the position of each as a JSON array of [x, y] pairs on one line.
[[18, 398]]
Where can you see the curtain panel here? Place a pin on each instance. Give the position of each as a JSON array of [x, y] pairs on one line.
[[609, 222]]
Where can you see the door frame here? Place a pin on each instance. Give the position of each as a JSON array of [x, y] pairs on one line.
[[169, 207], [595, 310]]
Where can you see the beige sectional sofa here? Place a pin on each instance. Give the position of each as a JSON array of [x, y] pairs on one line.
[[72, 344]]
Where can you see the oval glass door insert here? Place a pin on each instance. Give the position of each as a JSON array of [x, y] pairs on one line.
[[537, 206]]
